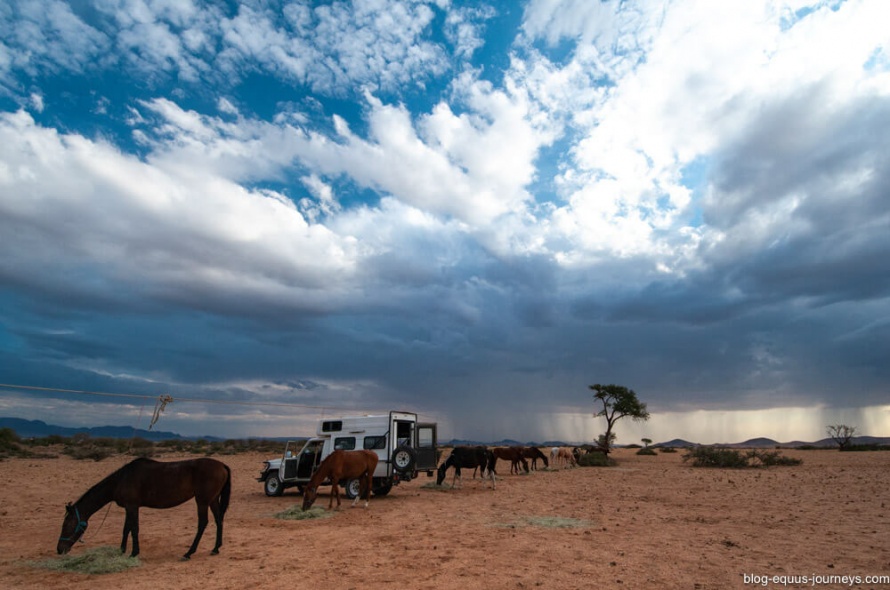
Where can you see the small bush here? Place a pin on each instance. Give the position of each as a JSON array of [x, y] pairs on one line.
[[733, 459], [715, 457], [595, 459], [771, 458], [667, 449], [10, 444], [646, 451], [869, 447], [88, 452]]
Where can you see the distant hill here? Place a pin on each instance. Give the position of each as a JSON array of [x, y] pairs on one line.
[[768, 443], [677, 442], [756, 443], [40, 429]]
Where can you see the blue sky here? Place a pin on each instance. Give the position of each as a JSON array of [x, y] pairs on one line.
[[470, 210]]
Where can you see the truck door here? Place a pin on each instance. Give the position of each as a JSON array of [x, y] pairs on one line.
[[426, 448], [289, 461], [309, 459]]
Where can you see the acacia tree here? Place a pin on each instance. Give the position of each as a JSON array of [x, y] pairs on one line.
[[842, 434], [618, 401]]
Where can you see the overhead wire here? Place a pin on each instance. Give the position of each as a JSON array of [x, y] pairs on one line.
[[159, 408]]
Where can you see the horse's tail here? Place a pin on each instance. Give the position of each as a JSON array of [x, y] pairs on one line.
[[491, 461], [226, 492]]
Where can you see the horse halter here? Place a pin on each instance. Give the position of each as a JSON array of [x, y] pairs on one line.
[[79, 530]]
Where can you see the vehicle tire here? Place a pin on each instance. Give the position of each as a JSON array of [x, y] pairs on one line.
[[404, 459], [383, 488], [352, 488], [272, 485]]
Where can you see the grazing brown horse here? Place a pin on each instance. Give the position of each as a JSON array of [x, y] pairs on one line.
[[534, 453], [477, 456], [338, 466], [513, 455], [154, 484]]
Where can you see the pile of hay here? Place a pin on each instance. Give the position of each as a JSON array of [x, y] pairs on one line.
[[295, 512], [101, 560]]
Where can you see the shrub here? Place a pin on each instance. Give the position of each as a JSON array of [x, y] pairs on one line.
[[733, 459], [8, 437], [88, 452], [646, 451], [866, 447], [595, 459], [667, 449], [771, 458], [715, 457], [10, 444]]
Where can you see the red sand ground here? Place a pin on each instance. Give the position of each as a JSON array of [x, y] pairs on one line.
[[651, 522]]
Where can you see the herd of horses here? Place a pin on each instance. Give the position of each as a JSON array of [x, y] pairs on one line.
[[154, 484]]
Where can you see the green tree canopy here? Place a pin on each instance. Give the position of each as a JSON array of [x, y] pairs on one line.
[[618, 401]]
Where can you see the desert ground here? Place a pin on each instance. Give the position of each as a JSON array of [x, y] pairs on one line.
[[649, 522]]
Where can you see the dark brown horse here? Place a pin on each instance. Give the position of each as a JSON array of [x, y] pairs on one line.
[[478, 456], [338, 466], [534, 453], [153, 484], [513, 455]]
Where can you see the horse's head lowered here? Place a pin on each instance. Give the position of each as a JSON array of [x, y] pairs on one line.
[[309, 495], [440, 475], [73, 528]]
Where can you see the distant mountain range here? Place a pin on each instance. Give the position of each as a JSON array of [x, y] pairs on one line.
[[40, 429], [768, 443]]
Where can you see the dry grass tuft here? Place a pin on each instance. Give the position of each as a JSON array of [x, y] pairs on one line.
[[548, 522]]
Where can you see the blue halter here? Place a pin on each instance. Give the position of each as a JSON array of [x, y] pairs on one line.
[[78, 530]]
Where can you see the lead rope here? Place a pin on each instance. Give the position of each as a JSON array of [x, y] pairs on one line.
[[101, 523]]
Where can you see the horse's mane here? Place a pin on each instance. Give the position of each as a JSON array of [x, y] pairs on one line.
[[324, 469], [115, 476]]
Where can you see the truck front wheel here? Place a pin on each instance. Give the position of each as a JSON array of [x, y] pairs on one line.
[[273, 485]]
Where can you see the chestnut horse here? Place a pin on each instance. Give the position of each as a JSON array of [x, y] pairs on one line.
[[534, 453], [513, 455], [154, 484], [339, 466], [567, 457], [478, 456]]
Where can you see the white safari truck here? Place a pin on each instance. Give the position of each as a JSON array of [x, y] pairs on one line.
[[405, 446]]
